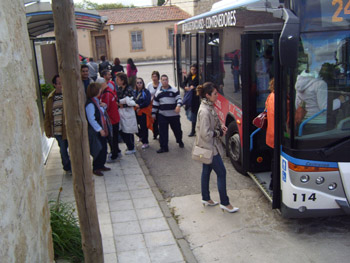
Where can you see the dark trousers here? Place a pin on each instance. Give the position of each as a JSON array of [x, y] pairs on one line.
[[63, 144], [100, 160], [113, 141], [128, 138], [175, 125], [143, 130], [155, 127], [218, 166], [236, 79]]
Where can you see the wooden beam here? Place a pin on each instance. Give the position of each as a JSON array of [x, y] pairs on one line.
[[77, 132]]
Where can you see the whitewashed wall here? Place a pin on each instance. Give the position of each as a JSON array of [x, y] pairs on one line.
[[25, 233]]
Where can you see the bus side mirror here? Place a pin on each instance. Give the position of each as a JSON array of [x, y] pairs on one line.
[[289, 40]]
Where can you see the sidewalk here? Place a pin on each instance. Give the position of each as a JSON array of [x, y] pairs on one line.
[[134, 224]]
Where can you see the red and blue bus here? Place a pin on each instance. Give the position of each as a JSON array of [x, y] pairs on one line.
[[305, 47]]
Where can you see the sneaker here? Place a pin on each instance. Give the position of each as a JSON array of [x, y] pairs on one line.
[[144, 146], [110, 160], [69, 172], [181, 145], [128, 152]]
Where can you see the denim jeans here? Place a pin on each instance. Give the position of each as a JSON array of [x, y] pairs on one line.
[[63, 144], [218, 166]]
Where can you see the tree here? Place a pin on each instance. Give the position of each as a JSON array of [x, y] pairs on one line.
[[160, 2], [73, 104]]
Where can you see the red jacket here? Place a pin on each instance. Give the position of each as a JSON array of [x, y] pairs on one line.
[[110, 98]]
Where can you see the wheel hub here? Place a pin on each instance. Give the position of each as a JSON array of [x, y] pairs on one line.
[[235, 146]]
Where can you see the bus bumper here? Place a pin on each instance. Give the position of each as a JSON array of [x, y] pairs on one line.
[[344, 205], [288, 212]]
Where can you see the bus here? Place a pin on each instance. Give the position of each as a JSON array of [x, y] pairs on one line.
[[304, 46]]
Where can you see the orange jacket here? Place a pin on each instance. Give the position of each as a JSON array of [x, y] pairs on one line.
[[270, 131], [148, 112]]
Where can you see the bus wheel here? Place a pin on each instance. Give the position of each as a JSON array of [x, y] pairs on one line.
[[233, 147]]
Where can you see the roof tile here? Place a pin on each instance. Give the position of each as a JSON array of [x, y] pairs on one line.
[[143, 15]]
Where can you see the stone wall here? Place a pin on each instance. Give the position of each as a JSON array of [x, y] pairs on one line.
[[25, 233], [203, 6]]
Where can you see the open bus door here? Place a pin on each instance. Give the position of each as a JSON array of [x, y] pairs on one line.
[[260, 63], [177, 61]]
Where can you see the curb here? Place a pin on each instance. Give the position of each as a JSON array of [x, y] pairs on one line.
[[180, 239]]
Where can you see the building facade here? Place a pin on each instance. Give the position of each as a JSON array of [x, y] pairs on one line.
[[142, 34]]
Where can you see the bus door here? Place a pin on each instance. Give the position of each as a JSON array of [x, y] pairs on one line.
[[259, 67], [177, 60], [185, 58]]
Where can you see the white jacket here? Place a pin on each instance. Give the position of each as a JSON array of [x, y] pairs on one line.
[[128, 122], [313, 91]]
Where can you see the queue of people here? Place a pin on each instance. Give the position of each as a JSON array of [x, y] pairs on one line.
[[127, 107]]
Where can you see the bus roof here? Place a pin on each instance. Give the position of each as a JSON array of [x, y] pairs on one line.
[[220, 7], [229, 5]]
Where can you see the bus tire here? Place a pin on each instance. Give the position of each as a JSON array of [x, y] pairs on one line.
[[233, 147]]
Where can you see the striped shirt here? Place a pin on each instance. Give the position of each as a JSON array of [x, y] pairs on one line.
[[57, 113], [165, 102]]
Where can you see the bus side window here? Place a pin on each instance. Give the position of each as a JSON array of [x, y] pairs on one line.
[[264, 72]]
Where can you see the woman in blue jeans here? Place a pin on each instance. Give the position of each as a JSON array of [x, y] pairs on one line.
[[208, 133]]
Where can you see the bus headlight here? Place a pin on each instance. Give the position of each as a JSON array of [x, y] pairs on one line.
[[320, 180], [304, 178], [332, 186]]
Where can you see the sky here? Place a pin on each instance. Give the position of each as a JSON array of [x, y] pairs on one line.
[[124, 2]]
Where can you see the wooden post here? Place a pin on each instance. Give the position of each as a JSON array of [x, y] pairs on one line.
[[77, 132]]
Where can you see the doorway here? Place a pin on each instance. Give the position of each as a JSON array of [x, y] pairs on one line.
[[100, 44], [101, 47]]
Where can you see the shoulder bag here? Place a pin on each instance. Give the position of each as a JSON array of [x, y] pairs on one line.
[[202, 155]]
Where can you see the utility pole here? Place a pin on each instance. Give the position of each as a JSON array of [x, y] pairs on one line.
[[77, 132]]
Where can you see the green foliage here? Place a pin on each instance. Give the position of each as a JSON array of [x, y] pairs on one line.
[[86, 4], [160, 2], [65, 232], [112, 6], [46, 89]]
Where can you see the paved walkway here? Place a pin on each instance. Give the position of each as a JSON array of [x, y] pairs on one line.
[[135, 222]]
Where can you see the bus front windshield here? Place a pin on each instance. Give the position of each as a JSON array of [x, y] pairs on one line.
[[322, 89]]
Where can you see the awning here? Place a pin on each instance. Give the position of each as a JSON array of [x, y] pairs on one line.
[[40, 19]]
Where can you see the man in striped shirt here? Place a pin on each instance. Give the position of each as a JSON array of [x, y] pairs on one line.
[[167, 103]]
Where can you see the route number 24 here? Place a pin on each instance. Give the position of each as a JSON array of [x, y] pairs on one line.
[[312, 197], [336, 17]]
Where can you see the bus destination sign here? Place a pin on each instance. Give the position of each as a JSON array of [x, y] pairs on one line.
[[225, 19]]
